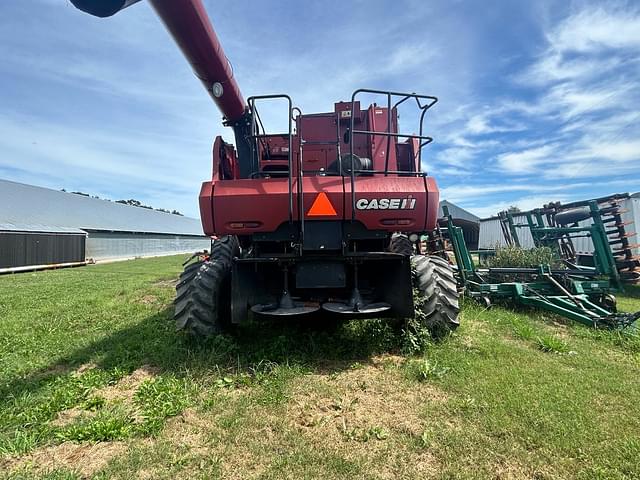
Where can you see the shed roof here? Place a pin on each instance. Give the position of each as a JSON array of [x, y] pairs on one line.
[[457, 212], [30, 208], [35, 228]]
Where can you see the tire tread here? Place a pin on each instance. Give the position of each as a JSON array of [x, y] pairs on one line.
[[199, 302]]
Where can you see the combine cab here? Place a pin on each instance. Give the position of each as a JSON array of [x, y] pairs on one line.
[[324, 217]]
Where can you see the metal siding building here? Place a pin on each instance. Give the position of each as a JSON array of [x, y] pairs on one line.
[[464, 219], [39, 226], [491, 233], [105, 245], [21, 249]]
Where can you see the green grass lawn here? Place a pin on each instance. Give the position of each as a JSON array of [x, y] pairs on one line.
[[95, 383]]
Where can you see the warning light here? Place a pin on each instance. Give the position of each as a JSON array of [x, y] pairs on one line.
[[322, 207]]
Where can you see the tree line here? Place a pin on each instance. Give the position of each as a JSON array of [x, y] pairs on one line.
[[133, 202]]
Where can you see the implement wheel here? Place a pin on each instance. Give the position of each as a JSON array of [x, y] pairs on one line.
[[400, 243], [438, 295], [203, 294]]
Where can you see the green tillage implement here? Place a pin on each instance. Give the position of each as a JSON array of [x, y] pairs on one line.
[[583, 294], [552, 237]]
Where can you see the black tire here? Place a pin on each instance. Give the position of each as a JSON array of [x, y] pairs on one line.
[[401, 244], [606, 301], [203, 294], [439, 299], [348, 162]]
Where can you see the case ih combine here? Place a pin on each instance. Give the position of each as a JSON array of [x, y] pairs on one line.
[[321, 220]]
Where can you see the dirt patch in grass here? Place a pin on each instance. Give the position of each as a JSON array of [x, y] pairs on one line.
[[85, 367], [367, 413], [508, 470], [328, 368], [69, 416], [83, 458], [148, 300], [364, 398], [189, 430], [169, 283], [200, 438], [126, 388], [243, 457], [385, 360]]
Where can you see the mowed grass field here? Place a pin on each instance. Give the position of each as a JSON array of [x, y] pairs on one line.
[[95, 383]]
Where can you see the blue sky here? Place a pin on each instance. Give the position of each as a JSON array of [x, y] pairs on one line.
[[539, 101]]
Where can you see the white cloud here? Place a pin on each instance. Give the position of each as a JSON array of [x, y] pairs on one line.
[[526, 161], [406, 57], [581, 119], [485, 123], [450, 171], [587, 157], [586, 45], [594, 29], [462, 193], [581, 64], [622, 151], [523, 203], [600, 171], [106, 163], [480, 198], [478, 124], [456, 157], [598, 159], [553, 67], [571, 101]]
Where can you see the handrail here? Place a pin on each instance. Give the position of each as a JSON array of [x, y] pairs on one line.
[[425, 140], [257, 137]]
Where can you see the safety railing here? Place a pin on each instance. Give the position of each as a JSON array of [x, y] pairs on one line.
[[424, 103], [257, 137]]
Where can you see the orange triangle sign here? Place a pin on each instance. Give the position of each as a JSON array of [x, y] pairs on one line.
[[322, 207]]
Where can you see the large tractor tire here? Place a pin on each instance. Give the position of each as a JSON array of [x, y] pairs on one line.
[[439, 299], [401, 244], [203, 293]]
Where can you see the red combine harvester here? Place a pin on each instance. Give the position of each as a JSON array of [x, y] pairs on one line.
[[324, 217]]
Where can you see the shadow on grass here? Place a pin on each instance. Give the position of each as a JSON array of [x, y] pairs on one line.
[[155, 342], [632, 291]]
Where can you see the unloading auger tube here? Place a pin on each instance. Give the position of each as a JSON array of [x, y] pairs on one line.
[[190, 27]]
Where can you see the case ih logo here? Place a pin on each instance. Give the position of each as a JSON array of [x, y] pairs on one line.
[[408, 203]]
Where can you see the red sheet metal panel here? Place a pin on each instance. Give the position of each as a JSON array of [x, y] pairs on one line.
[[206, 208], [393, 203], [261, 205]]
